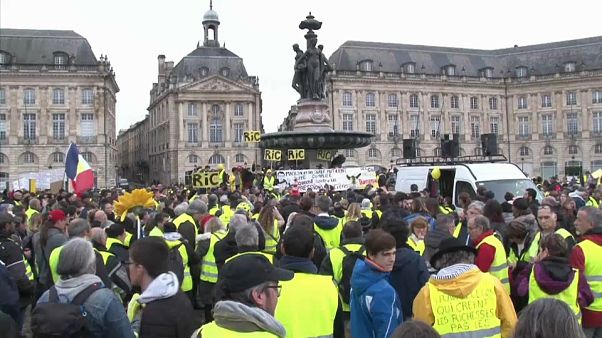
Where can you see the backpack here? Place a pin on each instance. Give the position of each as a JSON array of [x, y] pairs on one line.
[[175, 263], [55, 319], [349, 261]]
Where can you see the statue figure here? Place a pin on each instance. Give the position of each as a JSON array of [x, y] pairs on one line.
[[300, 66], [326, 67]]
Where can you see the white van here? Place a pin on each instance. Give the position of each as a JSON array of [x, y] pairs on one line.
[[498, 177]]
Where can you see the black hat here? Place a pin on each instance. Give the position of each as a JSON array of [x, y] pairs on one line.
[[249, 270], [450, 245]]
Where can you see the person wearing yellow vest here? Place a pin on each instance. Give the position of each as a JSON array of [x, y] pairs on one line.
[[460, 292], [213, 206], [175, 241], [158, 223], [248, 300], [329, 228], [269, 181], [308, 303], [34, 208], [52, 235], [247, 242], [491, 255], [162, 309], [208, 276], [594, 199], [551, 276], [461, 231], [227, 209], [116, 271], [418, 231], [271, 221], [115, 235], [548, 223], [586, 257]]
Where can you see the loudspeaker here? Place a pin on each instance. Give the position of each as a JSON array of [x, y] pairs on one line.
[[489, 144], [450, 147], [409, 148]]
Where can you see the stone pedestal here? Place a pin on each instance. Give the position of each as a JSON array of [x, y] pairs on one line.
[[313, 116]]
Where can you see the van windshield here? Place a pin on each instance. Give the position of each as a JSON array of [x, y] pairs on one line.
[[516, 187]]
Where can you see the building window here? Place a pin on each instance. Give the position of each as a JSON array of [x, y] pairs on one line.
[[215, 130], [596, 96], [522, 102], [239, 110], [87, 96], [2, 96], [450, 70], [29, 157], [371, 124], [569, 67], [373, 153], [548, 150], [216, 159], [573, 149], [4, 59], [58, 126], [413, 101], [546, 101], [193, 159], [572, 125], [475, 126], [193, 109], [395, 153], [29, 96], [393, 120], [215, 109], [478, 151], [29, 126], [3, 127], [474, 102], [349, 153], [435, 125], [58, 157], [370, 100], [347, 122], [239, 158], [571, 98], [493, 103], [366, 66], [58, 96], [239, 128], [193, 132], [87, 126], [523, 126], [434, 101], [456, 124], [347, 99], [60, 60], [521, 72], [204, 71], [597, 122], [487, 72], [393, 103], [414, 126], [548, 169], [494, 124], [410, 68], [455, 104], [225, 72], [524, 151], [88, 156], [437, 152], [547, 124], [598, 148]]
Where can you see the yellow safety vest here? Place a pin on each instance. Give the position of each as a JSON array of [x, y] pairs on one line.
[[187, 281], [418, 247], [212, 330], [155, 232], [336, 260], [209, 268], [331, 238], [111, 241], [255, 216], [266, 255], [268, 183], [127, 241], [213, 210], [105, 256], [533, 250], [458, 229], [221, 175], [28, 269], [307, 298], [593, 271], [53, 262], [226, 215], [184, 218], [569, 295], [499, 266], [271, 240], [30, 213], [473, 316], [592, 202], [445, 210]]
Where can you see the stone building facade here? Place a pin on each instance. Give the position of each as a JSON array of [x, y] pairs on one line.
[[544, 102], [54, 91], [199, 110], [132, 145]]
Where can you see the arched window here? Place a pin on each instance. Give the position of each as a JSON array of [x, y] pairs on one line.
[[573, 149], [548, 150], [524, 151], [395, 153], [216, 159], [224, 72], [366, 66], [373, 153], [240, 158], [204, 71], [193, 158], [28, 157], [58, 157], [88, 156]]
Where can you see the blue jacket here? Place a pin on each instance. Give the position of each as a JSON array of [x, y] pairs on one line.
[[409, 275], [375, 307]]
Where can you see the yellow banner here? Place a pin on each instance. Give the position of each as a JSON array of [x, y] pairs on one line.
[[252, 136], [208, 179], [272, 155], [32, 185], [296, 154], [324, 155]]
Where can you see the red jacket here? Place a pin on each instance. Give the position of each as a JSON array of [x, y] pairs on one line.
[[577, 261], [485, 254]]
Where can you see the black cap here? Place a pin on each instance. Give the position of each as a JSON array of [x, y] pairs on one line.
[[249, 270], [450, 245]]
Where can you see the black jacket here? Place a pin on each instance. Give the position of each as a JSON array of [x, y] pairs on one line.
[[409, 275], [12, 256], [187, 230], [227, 248], [121, 251], [169, 317]]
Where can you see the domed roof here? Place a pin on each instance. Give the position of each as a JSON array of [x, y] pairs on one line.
[[211, 15]]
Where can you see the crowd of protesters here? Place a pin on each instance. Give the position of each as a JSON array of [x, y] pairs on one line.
[[255, 258]]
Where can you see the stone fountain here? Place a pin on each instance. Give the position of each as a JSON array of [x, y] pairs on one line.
[[313, 129]]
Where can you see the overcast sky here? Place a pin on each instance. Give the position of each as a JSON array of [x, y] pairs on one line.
[[134, 32]]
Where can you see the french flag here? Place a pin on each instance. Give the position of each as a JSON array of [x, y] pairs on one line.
[[78, 171]]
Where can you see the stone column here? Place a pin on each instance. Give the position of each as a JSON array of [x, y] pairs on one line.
[[249, 117], [205, 123], [227, 123]]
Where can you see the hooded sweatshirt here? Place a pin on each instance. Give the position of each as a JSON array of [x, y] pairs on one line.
[[577, 261], [459, 281], [375, 306]]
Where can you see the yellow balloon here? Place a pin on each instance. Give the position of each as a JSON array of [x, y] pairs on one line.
[[436, 173]]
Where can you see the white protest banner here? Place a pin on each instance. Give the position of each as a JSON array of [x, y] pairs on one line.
[[340, 178]]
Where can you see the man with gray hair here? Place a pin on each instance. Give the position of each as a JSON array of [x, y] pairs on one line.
[[105, 317], [328, 227], [116, 271], [461, 231], [491, 255], [187, 222], [454, 292], [247, 241]]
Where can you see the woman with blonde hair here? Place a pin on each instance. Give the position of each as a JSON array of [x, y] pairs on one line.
[[354, 213], [270, 221]]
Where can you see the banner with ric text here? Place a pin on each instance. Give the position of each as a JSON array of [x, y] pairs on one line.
[[341, 178]]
